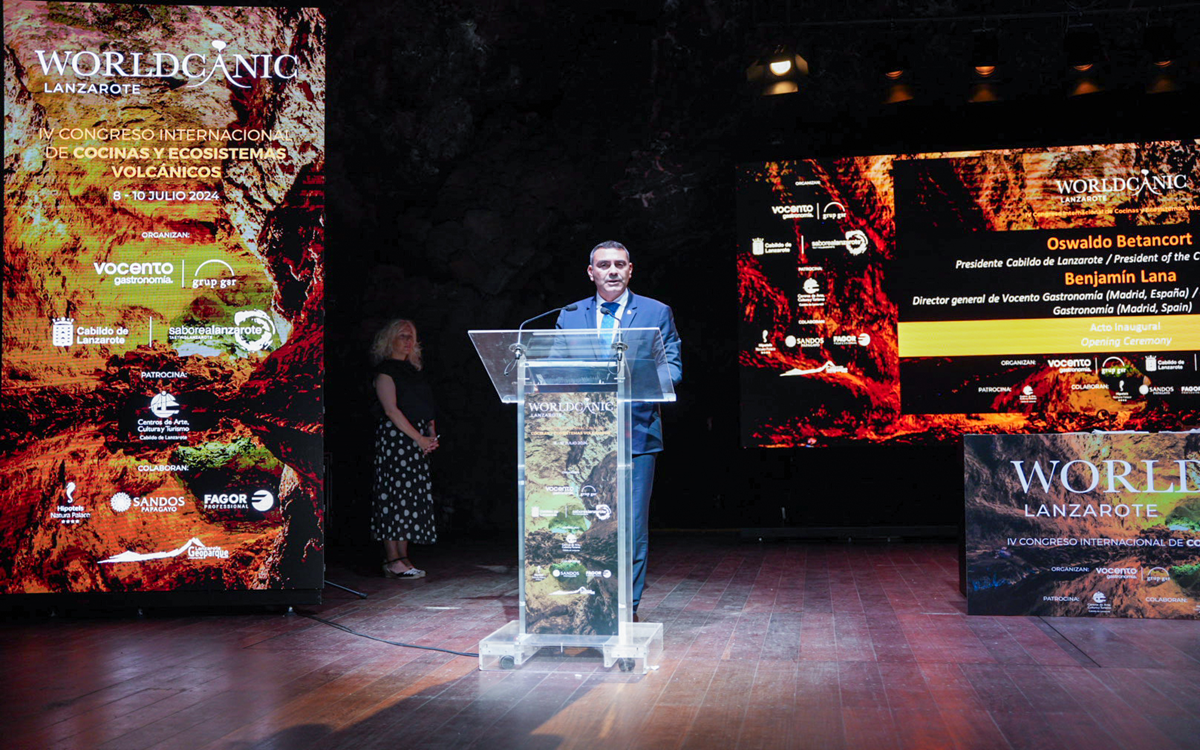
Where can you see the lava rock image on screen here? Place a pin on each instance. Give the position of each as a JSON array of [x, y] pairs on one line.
[[161, 393], [916, 298]]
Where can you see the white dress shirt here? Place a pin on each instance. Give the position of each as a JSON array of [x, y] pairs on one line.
[[621, 302]]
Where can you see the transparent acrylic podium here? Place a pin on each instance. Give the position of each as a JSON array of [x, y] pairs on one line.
[[574, 391]]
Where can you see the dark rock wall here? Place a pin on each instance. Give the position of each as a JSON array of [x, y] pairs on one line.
[[478, 150]]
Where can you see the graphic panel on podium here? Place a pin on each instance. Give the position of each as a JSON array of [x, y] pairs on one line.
[[574, 390]]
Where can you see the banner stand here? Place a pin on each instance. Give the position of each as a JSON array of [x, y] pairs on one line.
[[1083, 524], [574, 391]]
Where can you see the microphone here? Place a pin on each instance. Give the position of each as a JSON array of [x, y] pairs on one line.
[[606, 311], [618, 346], [568, 308], [518, 348]]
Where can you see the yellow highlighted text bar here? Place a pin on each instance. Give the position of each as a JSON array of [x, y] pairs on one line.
[[968, 338]]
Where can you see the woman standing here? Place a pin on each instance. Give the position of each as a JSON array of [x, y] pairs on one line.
[[404, 437]]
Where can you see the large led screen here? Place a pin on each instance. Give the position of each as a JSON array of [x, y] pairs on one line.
[[915, 298], [161, 392]]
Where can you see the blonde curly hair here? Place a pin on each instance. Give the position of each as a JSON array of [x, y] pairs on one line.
[[385, 340]]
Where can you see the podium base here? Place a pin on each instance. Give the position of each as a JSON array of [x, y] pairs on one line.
[[638, 647]]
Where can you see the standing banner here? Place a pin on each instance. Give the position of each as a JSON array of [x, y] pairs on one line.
[[572, 576], [1083, 524], [161, 405]]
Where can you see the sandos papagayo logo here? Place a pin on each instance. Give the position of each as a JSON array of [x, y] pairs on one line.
[[196, 68]]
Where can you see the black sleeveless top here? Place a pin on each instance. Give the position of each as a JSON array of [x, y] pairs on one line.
[[414, 397]]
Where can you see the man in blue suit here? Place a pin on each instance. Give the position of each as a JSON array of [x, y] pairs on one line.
[[610, 267]]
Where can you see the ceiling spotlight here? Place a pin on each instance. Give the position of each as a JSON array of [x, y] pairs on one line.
[[894, 60], [1082, 47], [778, 72], [1160, 45], [894, 63], [985, 55]]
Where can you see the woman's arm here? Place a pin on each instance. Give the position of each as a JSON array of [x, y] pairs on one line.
[[385, 391]]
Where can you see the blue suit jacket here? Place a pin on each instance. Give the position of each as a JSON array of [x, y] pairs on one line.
[[640, 312]]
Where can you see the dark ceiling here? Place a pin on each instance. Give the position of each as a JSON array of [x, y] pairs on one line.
[[478, 150]]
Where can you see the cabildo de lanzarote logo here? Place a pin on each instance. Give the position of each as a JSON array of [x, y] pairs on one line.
[[196, 68]]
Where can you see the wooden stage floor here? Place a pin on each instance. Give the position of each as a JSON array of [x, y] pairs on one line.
[[775, 645]]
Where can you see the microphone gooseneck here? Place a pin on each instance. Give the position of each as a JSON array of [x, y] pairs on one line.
[[606, 311], [568, 308], [518, 348]]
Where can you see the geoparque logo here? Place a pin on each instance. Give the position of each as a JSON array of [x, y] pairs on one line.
[[196, 68], [193, 548]]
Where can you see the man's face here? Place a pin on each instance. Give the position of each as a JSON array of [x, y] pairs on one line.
[[610, 272]]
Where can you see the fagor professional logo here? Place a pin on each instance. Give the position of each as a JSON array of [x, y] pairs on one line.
[[260, 500], [195, 68]]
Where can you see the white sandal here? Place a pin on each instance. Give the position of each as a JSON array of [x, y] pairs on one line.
[[408, 573]]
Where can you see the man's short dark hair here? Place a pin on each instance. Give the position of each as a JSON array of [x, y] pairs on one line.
[[608, 245]]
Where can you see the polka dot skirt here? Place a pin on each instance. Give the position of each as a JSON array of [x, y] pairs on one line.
[[403, 490]]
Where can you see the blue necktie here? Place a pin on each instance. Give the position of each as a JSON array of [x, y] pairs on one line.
[[609, 321]]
